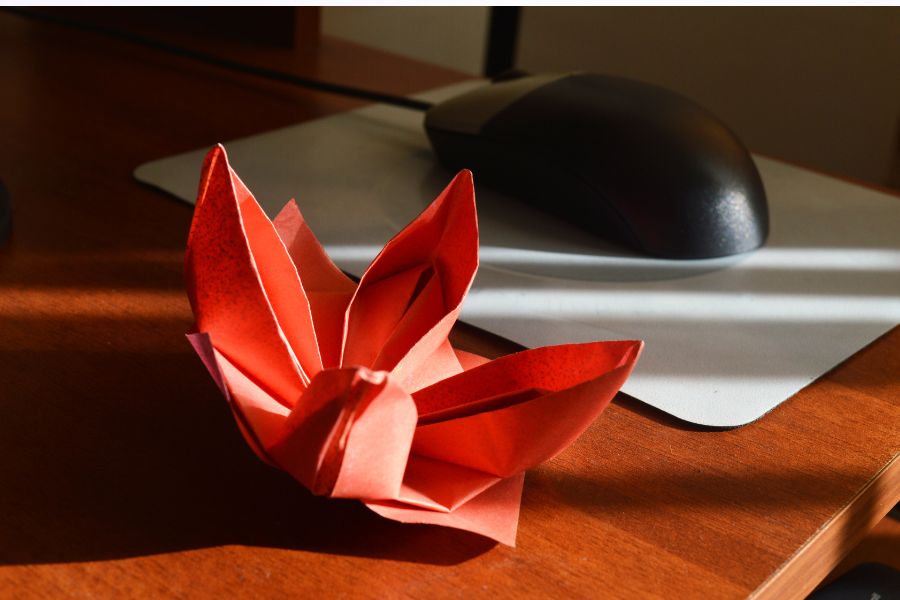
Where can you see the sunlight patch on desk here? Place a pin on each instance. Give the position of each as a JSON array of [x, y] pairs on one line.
[[605, 267], [83, 302], [634, 305]]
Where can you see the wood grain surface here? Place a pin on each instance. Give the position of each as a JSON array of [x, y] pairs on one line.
[[122, 474]]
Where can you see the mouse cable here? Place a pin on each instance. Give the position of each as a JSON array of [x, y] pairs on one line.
[[224, 63]]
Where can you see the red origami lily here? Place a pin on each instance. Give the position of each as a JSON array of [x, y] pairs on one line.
[[354, 389]]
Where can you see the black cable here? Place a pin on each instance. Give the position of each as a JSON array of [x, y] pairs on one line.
[[503, 34], [224, 63]]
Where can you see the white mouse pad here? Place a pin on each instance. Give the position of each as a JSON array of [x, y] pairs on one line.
[[727, 339]]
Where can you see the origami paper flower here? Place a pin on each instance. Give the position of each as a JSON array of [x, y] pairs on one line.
[[354, 389]]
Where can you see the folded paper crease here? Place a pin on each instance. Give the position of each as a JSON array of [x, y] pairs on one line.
[[355, 389]]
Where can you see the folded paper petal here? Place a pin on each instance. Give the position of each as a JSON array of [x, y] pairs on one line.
[[355, 390], [494, 513], [280, 280], [225, 284], [411, 294], [329, 290], [523, 409], [259, 417]]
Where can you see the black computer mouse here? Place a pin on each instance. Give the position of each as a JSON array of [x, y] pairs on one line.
[[630, 161]]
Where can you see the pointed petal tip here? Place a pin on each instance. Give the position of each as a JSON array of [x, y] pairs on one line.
[[627, 351], [626, 348], [636, 347], [465, 176], [459, 193], [213, 170], [217, 151], [210, 162], [466, 181]]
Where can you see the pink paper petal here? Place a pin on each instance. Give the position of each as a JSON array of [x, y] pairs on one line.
[[520, 410], [328, 289], [441, 486], [260, 418], [494, 513], [225, 284], [438, 254]]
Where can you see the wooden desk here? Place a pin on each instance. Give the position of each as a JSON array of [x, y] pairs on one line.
[[122, 473]]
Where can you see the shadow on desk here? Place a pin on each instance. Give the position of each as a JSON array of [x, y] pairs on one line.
[[141, 456]]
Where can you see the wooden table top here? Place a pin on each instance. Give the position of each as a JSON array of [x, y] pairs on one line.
[[122, 473]]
